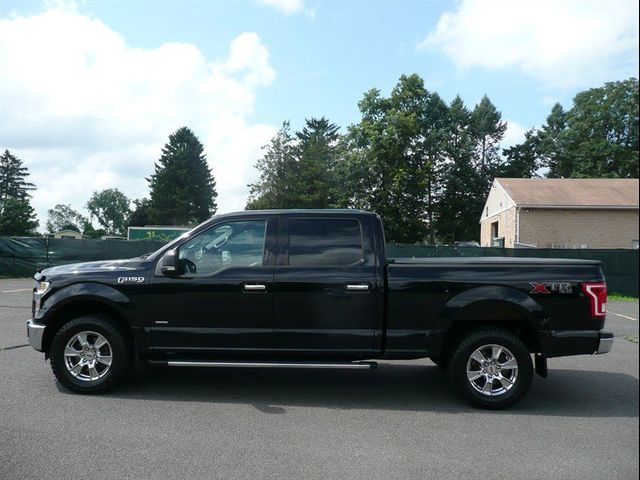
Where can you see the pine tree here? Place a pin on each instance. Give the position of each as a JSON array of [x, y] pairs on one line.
[[459, 204], [13, 178], [275, 187], [17, 216], [316, 162], [487, 130], [182, 187]]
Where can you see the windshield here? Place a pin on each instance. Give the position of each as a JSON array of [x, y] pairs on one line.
[[178, 240]]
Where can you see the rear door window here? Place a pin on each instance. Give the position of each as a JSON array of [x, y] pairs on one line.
[[324, 242]]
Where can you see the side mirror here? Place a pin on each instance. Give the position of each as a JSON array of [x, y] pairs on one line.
[[169, 264]]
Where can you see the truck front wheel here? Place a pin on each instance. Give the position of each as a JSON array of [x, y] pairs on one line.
[[90, 354], [491, 369]]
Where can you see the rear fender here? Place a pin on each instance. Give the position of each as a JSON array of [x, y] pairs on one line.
[[493, 303]]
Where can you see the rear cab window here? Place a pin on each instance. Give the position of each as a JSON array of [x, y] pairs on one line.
[[314, 242]]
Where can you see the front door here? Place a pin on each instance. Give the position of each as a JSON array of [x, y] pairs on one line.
[[325, 286], [222, 299]]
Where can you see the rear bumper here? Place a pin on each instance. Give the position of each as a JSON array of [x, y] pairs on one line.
[[606, 343], [35, 334], [576, 342]]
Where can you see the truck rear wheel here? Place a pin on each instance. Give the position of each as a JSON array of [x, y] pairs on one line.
[[90, 354], [491, 369]]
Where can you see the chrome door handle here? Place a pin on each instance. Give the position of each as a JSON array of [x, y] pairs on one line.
[[254, 287], [358, 287]]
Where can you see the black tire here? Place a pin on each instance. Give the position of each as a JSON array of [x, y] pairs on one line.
[[118, 344], [515, 348]]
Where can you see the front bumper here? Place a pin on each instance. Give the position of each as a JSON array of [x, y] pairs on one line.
[[35, 333], [576, 342]]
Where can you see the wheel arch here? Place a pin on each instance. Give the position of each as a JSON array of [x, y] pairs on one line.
[[82, 305], [490, 306]]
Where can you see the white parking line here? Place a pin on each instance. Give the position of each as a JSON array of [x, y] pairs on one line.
[[624, 316], [19, 290]]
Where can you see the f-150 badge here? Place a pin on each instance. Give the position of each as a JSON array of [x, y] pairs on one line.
[[551, 287], [130, 279]]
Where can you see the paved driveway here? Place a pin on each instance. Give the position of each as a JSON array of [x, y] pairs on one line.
[[399, 421]]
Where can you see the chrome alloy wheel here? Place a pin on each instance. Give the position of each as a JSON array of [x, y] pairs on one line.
[[88, 356], [492, 370]]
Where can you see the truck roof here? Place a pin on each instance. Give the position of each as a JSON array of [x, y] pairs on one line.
[[299, 211]]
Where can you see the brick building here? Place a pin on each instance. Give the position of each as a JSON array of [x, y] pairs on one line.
[[561, 213]]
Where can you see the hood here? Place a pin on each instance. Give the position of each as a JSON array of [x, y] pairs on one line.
[[102, 266]]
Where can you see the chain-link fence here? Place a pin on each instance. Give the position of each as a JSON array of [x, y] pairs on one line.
[[23, 256]]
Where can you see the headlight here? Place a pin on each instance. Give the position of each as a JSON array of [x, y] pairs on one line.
[[40, 287]]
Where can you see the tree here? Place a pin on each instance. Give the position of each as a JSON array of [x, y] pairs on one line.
[[523, 161], [548, 142], [597, 137], [298, 170], [315, 164], [182, 187], [140, 215], [13, 178], [274, 188], [458, 207], [110, 208], [487, 130], [390, 159], [63, 217], [17, 217], [601, 138]]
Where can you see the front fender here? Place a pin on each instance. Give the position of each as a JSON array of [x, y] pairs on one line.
[[86, 291]]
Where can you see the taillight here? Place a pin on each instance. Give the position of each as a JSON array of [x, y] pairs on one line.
[[597, 295]]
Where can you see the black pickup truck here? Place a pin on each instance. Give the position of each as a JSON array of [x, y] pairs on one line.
[[314, 289]]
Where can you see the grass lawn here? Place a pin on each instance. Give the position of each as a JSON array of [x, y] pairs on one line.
[[615, 297]]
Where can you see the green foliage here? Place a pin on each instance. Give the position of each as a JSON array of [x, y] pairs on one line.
[[182, 188], [487, 131], [13, 178], [393, 155], [459, 204], [298, 170], [63, 217], [597, 137], [88, 230], [110, 208], [17, 217], [140, 215]]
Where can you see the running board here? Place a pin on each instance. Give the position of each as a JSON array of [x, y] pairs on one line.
[[210, 364]]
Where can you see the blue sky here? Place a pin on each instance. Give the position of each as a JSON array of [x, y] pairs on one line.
[[81, 88]]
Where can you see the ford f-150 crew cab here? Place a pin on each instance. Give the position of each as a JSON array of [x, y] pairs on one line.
[[314, 288]]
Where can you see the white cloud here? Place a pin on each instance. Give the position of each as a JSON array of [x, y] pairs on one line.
[[513, 135], [87, 111], [564, 43], [288, 7]]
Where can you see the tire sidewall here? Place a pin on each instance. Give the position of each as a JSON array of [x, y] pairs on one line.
[[458, 368], [119, 351]]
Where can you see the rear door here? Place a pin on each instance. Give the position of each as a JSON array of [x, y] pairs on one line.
[[325, 285]]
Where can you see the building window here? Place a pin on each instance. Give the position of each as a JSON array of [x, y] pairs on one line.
[[635, 244]]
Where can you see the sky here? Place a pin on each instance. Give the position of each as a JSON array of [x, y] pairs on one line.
[[90, 90]]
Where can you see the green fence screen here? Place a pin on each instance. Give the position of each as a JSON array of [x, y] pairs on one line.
[[23, 256]]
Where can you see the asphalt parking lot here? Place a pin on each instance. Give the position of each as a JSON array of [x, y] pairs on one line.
[[399, 421]]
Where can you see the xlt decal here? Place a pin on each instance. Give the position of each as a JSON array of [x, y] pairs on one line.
[[551, 287], [130, 279]]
